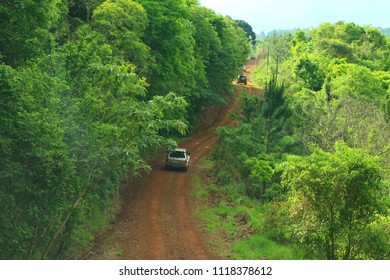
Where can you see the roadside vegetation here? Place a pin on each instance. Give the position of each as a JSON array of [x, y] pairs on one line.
[[305, 173], [89, 90], [234, 222]]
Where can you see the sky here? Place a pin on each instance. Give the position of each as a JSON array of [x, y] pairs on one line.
[[268, 15]]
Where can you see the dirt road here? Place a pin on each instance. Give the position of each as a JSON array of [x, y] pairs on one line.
[[156, 220]]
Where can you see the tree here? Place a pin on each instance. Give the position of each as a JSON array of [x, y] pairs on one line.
[[87, 94], [349, 79], [36, 166], [123, 23], [207, 48], [260, 171], [25, 26], [310, 73], [349, 32], [275, 110], [233, 54], [80, 11], [335, 48], [278, 50], [248, 29], [170, 38], [336, 199], [361, 45]]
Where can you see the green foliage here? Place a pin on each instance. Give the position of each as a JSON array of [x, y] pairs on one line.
[[88, 90], [236, 224], [36, 165], [260, 174], [81, 11], [310, 74], [336, 49], [260, 247], [275, 111], [218, 57], [122, 22], [357, 81], [25, 26], [366, 46], [223, 70], [248, 29], [170, 37], [278, 50], [335, 197], [251, 148], [251, 107]]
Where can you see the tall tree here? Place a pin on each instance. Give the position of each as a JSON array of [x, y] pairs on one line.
[[248, 30], [278, 51], [275, 110], [170, 37]]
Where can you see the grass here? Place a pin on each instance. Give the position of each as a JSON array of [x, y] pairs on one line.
[[234, 223], [260, 247], [97, 221]]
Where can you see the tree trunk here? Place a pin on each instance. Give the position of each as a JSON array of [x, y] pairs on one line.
[[269, 128], [64, 221]]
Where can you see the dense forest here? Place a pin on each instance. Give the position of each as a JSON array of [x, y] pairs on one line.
[[89, 89], [309, 162]]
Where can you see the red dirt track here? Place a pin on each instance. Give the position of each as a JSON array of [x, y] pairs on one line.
[[156, 220]]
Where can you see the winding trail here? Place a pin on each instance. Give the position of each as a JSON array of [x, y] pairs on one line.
[[156, 220]]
